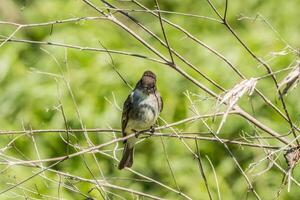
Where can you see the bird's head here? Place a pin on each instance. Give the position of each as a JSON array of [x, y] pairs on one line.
[[148, 82]]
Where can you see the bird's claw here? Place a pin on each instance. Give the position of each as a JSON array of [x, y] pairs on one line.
[[137, 133], [152, 130]]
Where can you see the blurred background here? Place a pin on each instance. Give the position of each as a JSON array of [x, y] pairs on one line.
[[36, 80]]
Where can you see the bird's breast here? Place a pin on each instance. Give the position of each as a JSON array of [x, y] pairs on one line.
[[144, 113]]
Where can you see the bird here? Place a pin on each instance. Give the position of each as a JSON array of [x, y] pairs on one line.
[[140, 112]]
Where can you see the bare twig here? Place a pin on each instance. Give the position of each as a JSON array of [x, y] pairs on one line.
[[202, 170]]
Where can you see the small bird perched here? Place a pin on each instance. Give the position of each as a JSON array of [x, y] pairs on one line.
[[140, 112]]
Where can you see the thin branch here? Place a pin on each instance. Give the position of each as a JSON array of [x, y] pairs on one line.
[[163, 31], [215, 175], [202, 170], [57, 44], [169, 164], [77, 19], [226, 8]]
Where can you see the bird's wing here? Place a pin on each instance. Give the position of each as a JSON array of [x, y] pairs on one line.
[[125, 114], [160, 102]]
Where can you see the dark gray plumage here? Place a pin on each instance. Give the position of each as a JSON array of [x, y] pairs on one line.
[[140, 112]]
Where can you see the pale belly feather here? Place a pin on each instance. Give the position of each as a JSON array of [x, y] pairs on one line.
[[144, 115], [146, 120]]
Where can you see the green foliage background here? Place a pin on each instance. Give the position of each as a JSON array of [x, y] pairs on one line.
[[29, 96]]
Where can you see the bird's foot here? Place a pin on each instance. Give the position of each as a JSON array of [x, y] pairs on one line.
[[137, 133], [152, 129]]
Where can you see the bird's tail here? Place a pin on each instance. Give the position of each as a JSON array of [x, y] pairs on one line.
[[127, 158]]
